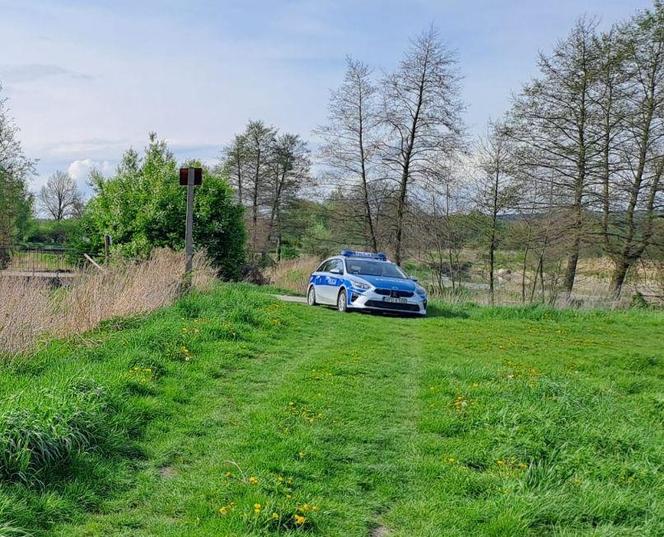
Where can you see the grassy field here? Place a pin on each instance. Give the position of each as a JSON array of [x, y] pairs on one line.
[[230, 414]]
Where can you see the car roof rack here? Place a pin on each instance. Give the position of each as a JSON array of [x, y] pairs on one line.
[[369, 255]]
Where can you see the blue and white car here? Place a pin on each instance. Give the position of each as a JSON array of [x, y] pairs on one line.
[[365, 281]]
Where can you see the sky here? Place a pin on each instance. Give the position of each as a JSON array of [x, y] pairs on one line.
[[88, 79]]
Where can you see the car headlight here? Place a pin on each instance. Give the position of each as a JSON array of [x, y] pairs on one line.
[[420, 291], [361, 286]]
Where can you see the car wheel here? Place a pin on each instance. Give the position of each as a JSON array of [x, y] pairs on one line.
[[342, 303], [311, 296]]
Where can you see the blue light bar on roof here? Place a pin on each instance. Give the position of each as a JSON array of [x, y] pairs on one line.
[[352, 253]]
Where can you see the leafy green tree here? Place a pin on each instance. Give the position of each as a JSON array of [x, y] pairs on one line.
[[15, 199], [143, 206]]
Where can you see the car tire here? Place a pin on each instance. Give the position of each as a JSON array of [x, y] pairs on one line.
[[311, 296], [342, 301]]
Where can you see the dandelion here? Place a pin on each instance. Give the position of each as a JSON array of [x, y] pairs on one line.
[[299, 520], [186, 353], [275, 516], [253, 480], [257, 508], [460, 403], [225, 509]]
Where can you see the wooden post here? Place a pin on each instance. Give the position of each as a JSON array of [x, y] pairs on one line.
[[189, 177], [107, 246]]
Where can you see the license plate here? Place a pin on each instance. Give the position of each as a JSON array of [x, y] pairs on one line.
[[395, 300]]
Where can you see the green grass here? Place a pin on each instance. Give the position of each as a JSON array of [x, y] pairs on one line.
[[230, 414]]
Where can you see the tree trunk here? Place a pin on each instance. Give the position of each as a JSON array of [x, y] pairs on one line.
[[365, 186], [492, 243], [618, 277], [523, 275], [570, 270], [405, 176], [400, 212], [254, 208], [239, 176], [491, 279]]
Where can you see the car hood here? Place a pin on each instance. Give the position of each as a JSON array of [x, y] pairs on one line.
[[396, 284]]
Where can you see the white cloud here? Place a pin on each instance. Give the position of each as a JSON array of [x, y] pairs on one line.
[[80, 170]]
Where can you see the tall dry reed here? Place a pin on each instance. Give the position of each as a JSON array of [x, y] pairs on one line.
[[293, 274], [30, 309]]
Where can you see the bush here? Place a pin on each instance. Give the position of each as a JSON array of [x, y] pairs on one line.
[[52, 232], [144, 207]]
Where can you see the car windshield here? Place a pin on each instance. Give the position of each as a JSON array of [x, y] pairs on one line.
[[373, 268]]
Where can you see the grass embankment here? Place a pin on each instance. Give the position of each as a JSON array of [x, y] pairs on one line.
[[231, 414]]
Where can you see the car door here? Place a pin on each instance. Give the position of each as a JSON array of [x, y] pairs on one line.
[[328, 279], [334, 279], [320, 282]]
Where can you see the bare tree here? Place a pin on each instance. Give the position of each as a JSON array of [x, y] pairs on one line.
[[60, 197], [290, 170], [555, 120], [350, 139], [496, 189], [259, 144], [610, 97], [234, 162], [422, 112], [637, 187], [249, 163]]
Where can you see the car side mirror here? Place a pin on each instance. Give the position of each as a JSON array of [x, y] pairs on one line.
[[414, 279], [335, 271]]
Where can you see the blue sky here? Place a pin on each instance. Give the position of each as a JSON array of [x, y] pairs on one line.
[[88, 79]]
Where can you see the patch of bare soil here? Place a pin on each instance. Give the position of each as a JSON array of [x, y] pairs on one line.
[[167, 472], [380, 531]]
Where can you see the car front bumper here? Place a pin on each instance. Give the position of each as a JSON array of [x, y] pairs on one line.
[[371, 300]]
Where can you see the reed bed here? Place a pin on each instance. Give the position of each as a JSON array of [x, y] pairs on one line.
[[31, 310]]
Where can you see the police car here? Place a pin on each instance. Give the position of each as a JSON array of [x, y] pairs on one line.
[[365, 281]]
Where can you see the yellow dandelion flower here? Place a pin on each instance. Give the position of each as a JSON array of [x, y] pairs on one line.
[[257, 507], [299, 520], [253, 480], [275, 516]]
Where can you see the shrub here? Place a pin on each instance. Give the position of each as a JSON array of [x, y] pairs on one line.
[[144, 207]]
